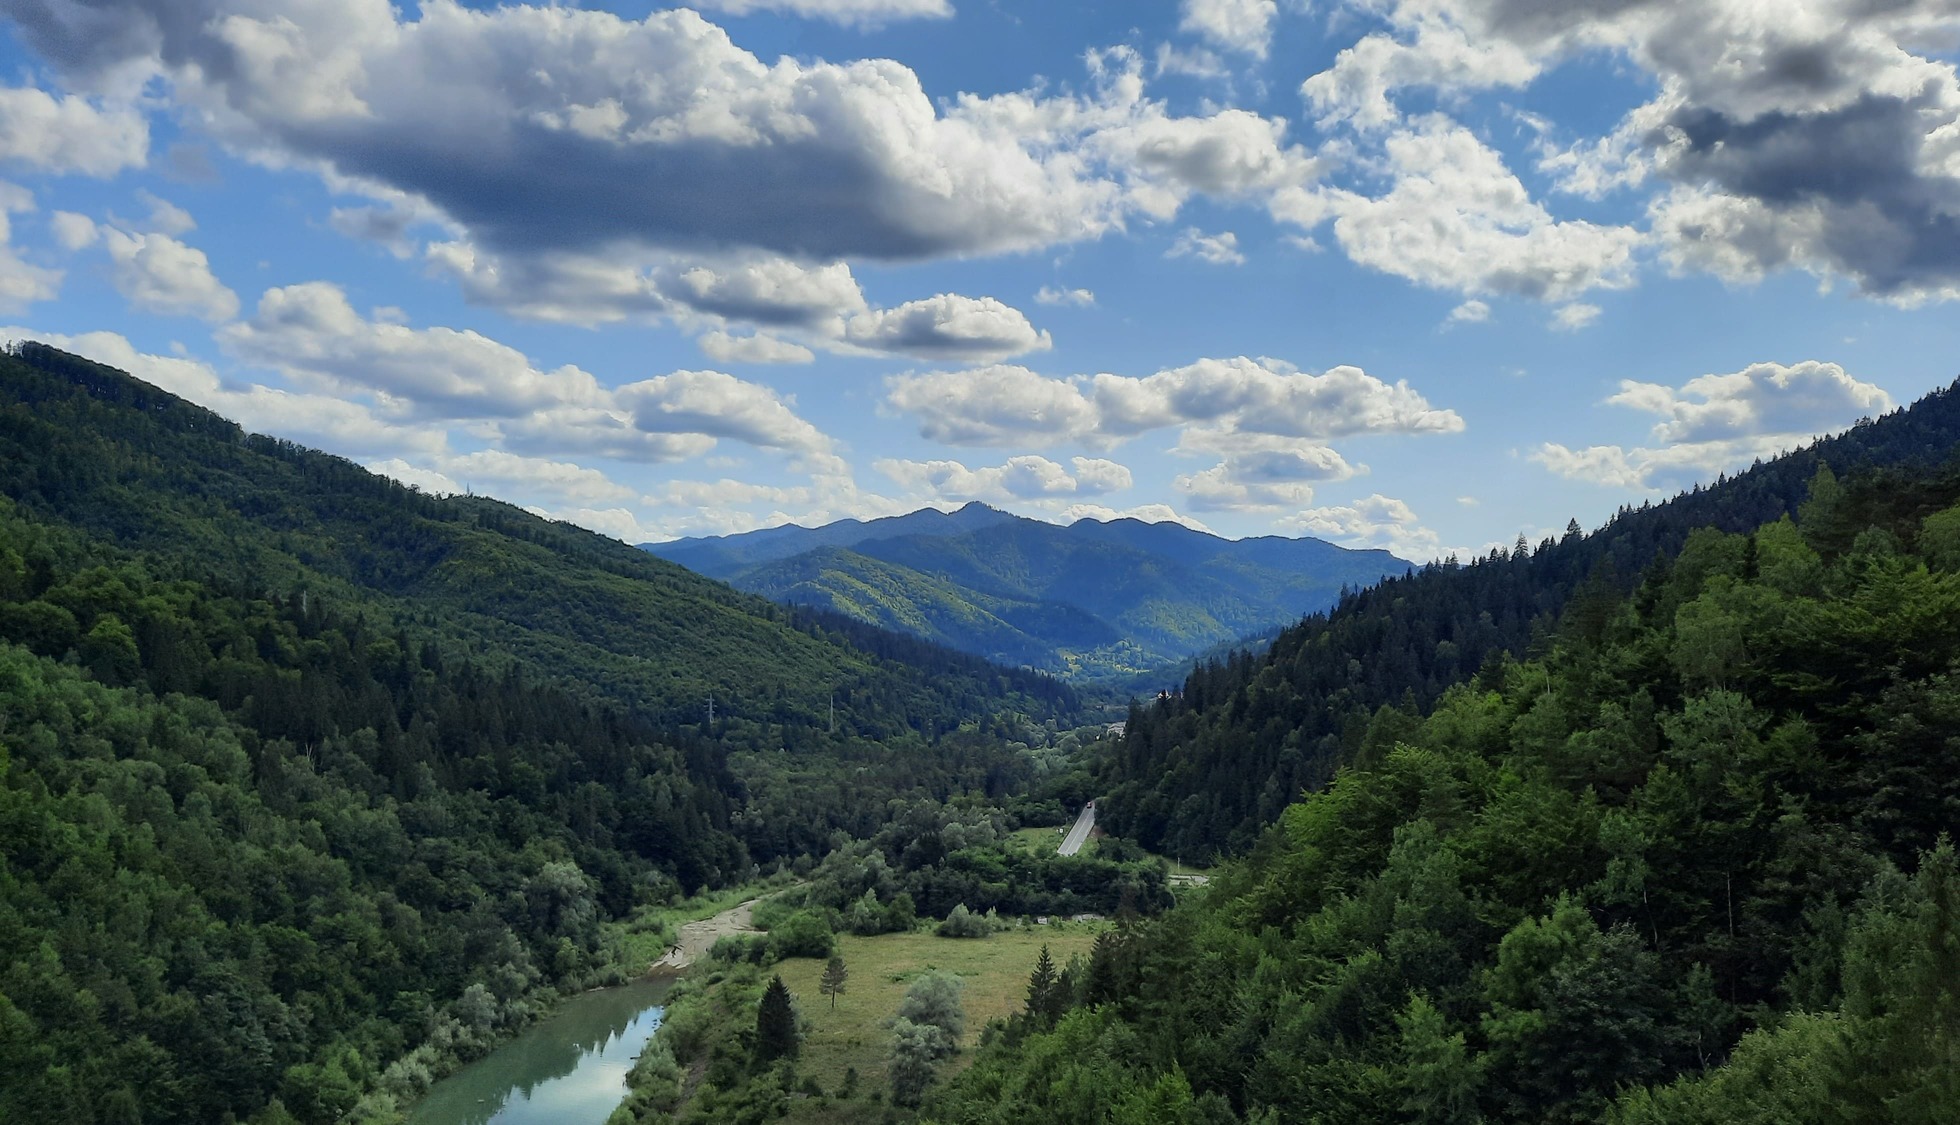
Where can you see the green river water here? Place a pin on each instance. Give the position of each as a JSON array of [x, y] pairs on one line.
[[567, 1070]]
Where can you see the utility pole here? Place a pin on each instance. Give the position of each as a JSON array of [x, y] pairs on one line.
[[711, 710], [833, 712]]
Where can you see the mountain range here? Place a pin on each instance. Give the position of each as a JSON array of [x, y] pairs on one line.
[[1094, 599]]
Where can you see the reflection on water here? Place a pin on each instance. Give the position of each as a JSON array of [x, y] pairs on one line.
[[568, 1070]]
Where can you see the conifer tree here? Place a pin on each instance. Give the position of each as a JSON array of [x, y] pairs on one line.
[[775, 1023], [834, 976], [1042, 988]]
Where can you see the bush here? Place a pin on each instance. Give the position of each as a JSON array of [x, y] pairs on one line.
[[963, 923], [805, 933]]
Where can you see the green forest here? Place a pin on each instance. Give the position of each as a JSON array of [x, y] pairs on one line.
[[1688, 861], [314, 788]]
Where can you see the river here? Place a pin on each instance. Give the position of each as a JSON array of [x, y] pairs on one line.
[[569, 1069]]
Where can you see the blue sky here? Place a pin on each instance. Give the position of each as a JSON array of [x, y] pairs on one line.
[[1420, 274]]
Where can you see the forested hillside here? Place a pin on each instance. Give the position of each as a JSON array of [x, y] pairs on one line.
[[312, 786], [1691, 863], [1094, 600], [1202, 772], [129, 465]]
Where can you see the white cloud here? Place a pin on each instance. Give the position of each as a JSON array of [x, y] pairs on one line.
[[532, 478], [428, 480], [312, 334], [73, 232], [1820, 135], [69, 133], [1457, 219], [1050, 295], [22, 283], [1235, 25], [1216, 490], [1020, 478], [999, 405], [325, 421], [1715, 423], [1215, 400], [509, 121], [850, 13], [756, 347], [1801, 400], [1575, 316], [618, 523], [166, 216], [1377, 521], [159, 274], [1470, 312], [1095, 475], [719, 405], [948, 326], [1221, 249]]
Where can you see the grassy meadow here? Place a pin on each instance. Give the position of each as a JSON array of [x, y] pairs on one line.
[[994, 968]]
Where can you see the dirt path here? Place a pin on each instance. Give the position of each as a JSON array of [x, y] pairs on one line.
[[696, 938]]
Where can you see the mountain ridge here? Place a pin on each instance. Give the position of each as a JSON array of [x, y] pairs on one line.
[[1091, 600]]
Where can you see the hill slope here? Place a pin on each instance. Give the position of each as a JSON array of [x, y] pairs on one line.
[[1203, 772], [312, 786], [1691, 865], [1092, 599], [123, 462]]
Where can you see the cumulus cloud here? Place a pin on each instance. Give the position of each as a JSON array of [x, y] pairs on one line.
[[1221, 249], [1377, 521], [159, 274], [1575, 316], [1263, 476], [1457, 219], [756, 347], [1470, 312], [1213, 398], [1801, 400], [22, 283], [312, 334], [533, 478], [1050, 295], [719, 405], [1216, 490], [69, 133], [999, 405], [1720, 422], [428, 480], [1821, 135], [948, 326], [1234, 25], [850, 13], [509, 121], [1027, 477], [72, 231], [327, 421], [165, 216]]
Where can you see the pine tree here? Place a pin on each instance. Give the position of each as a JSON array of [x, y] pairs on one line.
[[775, 1023], [832, 984], [1042, 988]]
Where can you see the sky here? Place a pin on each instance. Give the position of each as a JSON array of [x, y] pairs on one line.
[[1418, 274]]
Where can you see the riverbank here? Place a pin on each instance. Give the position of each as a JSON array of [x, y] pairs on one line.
[[696, 938]]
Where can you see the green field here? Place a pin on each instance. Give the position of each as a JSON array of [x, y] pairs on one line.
[[995, 970]]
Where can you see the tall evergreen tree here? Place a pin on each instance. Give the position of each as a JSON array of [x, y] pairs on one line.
[[775, 1023], [1043, 989]]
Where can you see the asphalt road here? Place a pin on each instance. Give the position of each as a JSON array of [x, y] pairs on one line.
[[1079, 834]]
